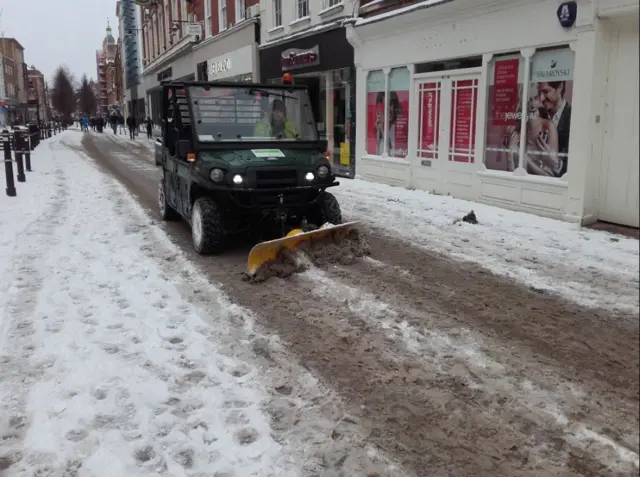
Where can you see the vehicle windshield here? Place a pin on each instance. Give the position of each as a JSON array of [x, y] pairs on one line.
[[246, 113]]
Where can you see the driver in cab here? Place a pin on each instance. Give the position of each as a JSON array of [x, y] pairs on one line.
[[276, 124]]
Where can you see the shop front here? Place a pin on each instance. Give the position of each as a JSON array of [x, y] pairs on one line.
[[229, 56], [508, 118], [178, 67], [324, 62]]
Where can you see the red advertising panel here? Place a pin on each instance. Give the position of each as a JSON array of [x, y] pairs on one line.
[[506, 94], [430, 117], [464, 96]]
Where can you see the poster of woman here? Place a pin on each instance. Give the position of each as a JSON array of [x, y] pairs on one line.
[[395, 110]]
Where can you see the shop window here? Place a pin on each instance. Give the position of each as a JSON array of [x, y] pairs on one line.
[[302, 9], [277, 13], [388, 112], [548, 113], [429, 119], [504, 112]]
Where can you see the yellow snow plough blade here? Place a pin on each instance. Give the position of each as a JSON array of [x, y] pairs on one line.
[[265, 252]]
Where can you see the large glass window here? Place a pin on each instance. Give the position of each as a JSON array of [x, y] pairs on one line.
[[388, 112], [547, 113], [252, 114], [504, 112]]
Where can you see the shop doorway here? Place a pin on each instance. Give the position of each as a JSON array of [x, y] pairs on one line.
[[618, 178], [446, 118]]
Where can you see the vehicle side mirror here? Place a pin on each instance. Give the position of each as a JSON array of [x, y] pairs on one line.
[[183, 148]]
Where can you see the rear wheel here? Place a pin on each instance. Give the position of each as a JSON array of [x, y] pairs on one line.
[[327, 210], [166, 211], [207, 229]]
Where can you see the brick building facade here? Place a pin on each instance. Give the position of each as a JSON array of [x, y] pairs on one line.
[[13, 94], [107, 74]]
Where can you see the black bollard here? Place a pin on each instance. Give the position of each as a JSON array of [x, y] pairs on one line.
[[19, 152], [8, 164], [27, 154]]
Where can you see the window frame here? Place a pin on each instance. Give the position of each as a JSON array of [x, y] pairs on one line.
[[241, 10], [527, 56], [222, 15], [208, 19], [300, 5], [387, 96], [277, 13], [327, 4]]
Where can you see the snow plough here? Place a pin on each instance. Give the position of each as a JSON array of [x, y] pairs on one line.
[[246, 158]]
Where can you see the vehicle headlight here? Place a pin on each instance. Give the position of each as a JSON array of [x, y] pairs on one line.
[[309, 177], [237, 179], [217, 175], [323, 171]]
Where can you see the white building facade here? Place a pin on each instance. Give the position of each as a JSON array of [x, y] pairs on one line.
[[307, 39], [531, 106]]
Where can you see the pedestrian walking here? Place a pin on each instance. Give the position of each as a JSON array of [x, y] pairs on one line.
[[149, 127], [131, 124]]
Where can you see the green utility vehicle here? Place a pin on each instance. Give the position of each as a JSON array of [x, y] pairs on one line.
[[242, 158]]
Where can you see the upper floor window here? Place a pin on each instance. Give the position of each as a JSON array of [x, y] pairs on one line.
[[277, 13], [207, 18], [302, 9], [332, 3], [240, 10], [223, 15]]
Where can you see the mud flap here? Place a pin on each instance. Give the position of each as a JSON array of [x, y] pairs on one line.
[[265, 252]]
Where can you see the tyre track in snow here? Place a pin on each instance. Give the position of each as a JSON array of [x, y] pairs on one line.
[[436, 417]]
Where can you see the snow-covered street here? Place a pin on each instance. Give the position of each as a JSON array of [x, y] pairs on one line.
[[119, 359], [503, 348]]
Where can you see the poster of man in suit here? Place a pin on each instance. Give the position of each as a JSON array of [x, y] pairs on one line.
[[549, 112]]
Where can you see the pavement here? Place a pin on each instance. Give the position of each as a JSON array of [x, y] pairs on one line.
[[444, 366]]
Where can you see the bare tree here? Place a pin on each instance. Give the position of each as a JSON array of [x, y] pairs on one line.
[[87, 102], [63, 96]]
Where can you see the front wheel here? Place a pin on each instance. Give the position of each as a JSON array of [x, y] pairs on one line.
[[328, 210], [207, 229], [166, 211]]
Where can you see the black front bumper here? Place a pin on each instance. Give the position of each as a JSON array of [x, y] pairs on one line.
[[288, 198]]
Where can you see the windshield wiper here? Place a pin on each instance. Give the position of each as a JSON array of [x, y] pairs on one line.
[[270, 93]]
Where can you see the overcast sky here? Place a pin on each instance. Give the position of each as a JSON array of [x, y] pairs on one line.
[[59, 31]]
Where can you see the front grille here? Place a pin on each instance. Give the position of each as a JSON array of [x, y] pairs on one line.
[[274, 178]]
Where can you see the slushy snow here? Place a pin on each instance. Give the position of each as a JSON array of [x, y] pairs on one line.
[[591, 267]]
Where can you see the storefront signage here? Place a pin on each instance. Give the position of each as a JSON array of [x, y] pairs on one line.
[[217, 68], [506, 94], [567, 13], [231, 64], [552, 65], [165, 74], [294, 58]]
